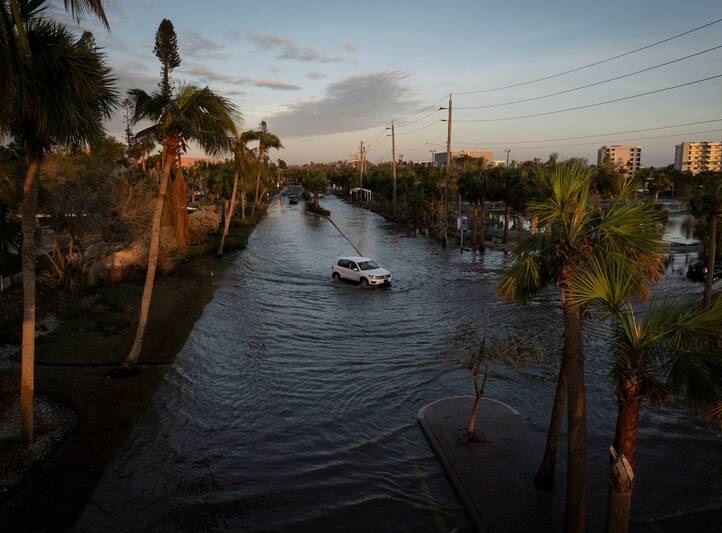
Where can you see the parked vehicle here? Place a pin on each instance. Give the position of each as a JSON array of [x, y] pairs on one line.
[[697, 270], [362, 270], [292, 199]]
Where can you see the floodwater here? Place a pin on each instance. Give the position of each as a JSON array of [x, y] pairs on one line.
[[292, 406]]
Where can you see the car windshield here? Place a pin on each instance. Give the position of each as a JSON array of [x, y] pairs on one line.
[[368, 265]]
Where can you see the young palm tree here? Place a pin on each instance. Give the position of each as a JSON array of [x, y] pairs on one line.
[[573, 230], [671, 349], [194, 114], [62, 92], [265, 141], [241, 158]]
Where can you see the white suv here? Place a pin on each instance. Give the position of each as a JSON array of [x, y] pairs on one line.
[[362, 270]]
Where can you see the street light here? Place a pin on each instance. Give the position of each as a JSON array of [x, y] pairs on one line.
[[507, 150]]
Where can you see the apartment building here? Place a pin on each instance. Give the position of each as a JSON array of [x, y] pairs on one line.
[[697, 157], [627, 158], [459, 155]]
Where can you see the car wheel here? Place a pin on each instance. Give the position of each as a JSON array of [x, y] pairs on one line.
[[336, 276], [364, 283]]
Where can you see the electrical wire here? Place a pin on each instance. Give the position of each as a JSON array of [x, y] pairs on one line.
[[589, 65], [628, 139], [586, 106], [586, 136], [421, 128], [533, 98]]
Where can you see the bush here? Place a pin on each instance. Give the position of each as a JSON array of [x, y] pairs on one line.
[[201, 223]]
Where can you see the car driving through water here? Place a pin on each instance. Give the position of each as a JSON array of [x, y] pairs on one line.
[[362, 270]]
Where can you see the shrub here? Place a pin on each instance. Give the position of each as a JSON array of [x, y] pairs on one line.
[[201, 223]]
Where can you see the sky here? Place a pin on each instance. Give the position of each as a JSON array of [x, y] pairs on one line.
[[325, 75]]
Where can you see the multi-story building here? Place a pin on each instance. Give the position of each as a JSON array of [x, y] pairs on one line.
[[627, 158], [458, 156], [697, 157]]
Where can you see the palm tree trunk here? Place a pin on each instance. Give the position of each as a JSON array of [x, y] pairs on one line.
[[243, 206], [507, 216], [131, 360], [711, 256], [576, 497], [482, 229], [229, 214], [475, 224], [27, 367], [621, 473], [180, 212], [258, 179], [544, 479]]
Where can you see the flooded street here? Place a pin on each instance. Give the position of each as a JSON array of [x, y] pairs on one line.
[[293, 404]]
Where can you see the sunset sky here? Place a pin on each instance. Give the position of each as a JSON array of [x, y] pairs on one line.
[[325, 75]]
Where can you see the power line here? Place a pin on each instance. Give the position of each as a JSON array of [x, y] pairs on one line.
[[586, 106], [587, 136], [421, 128], [533, 98], [629, 139], [431, 106], [577, 69], [420, 118]]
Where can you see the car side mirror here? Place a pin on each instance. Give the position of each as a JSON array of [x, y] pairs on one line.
[[355, 269]]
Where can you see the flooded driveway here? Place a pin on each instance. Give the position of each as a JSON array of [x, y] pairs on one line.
[[293, 404]]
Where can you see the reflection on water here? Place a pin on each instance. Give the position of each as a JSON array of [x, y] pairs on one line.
[[292, 405], [680, 229]]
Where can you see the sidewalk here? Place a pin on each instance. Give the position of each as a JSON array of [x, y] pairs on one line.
[[494, 477]]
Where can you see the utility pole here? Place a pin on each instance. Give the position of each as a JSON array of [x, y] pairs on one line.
[[507, 156], [433, 156], [448, 174], [393, 162], [361, 165]]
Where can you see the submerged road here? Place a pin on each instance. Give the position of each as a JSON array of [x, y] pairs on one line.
[[292, 405]]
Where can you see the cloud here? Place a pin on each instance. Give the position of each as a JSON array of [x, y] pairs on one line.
[[195, 44], [356, 103], [287, 49], [208, 74], [315, 75], [350, 47]]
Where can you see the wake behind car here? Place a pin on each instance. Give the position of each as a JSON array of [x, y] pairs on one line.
[[697, 270], [362, 270]]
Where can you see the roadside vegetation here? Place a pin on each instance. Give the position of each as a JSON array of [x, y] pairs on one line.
[[91, 226]]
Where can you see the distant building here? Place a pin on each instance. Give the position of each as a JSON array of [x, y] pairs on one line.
[[697, 157], [457, 156], [498, 163], [626, 157]]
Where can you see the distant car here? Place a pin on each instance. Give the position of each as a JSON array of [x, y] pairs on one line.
[[697, 270], [362, 270], [292, 199]]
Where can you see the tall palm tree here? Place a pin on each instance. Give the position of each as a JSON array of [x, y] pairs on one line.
[[61, 93], [241, 158], [265, 140], [671, 349], [573, 231], [704, 194], [194, 114]]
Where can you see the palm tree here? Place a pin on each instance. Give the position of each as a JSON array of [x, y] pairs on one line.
[[265, 140], [704, 194], [60, 93], [194, 114], [241, 158], [573, 231], [671, 349]]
